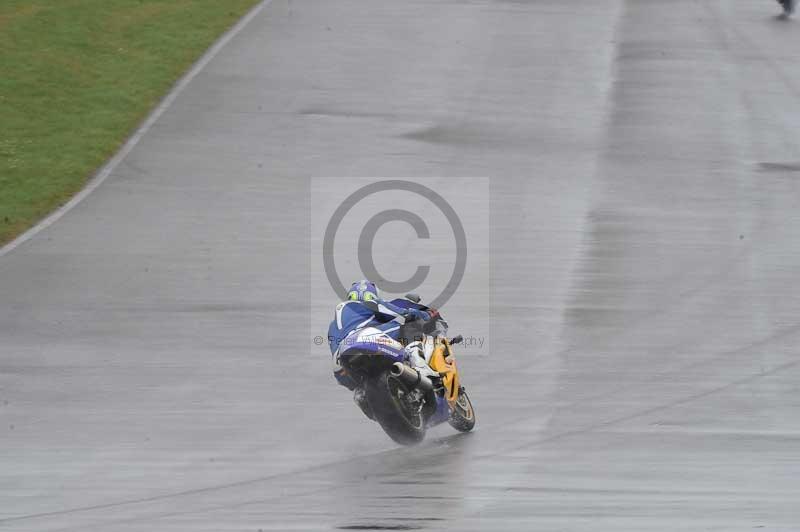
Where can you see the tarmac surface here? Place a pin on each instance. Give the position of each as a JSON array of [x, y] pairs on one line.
[[633, 272]]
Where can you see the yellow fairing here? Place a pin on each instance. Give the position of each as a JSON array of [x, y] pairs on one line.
[[444, 362]]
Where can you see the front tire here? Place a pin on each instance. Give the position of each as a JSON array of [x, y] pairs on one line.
[[462, 415], [399, 419]]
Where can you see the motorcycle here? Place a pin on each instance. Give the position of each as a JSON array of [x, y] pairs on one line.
[[405, 401]]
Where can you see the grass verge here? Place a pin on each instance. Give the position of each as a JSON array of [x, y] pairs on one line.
[[76, 77]]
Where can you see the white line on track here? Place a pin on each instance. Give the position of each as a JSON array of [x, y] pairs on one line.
[[134, 139]]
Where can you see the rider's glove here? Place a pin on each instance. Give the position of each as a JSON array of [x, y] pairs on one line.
[[416, 314]]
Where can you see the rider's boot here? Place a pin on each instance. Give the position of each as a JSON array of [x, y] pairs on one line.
[[417, 358]]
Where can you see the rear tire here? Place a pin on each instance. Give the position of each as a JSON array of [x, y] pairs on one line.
[[462, 416], [384, 394]]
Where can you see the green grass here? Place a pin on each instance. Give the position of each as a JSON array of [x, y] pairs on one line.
[[76, 77]]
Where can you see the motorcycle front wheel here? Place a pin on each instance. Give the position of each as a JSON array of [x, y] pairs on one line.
[[398, 414], [462, 415]]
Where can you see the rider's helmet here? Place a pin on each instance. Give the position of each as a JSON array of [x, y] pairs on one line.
[[363, 291]]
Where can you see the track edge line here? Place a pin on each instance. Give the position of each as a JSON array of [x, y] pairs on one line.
[[108, 168]]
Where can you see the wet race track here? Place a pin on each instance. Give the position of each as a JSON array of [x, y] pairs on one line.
[[628, 176]]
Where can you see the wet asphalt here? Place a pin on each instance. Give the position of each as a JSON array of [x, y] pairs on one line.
[[628, 173]]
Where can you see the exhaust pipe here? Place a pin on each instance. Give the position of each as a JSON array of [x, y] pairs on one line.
[[411, 377]]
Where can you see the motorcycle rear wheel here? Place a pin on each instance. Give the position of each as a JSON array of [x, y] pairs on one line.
[[397, 417]]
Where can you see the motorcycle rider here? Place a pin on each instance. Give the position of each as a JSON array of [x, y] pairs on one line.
[[365, 308]]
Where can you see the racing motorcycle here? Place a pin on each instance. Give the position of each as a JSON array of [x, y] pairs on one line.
[[404, 401]]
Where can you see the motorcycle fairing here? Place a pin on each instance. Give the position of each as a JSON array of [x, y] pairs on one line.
[[372, 341], [443, 361], [441, 414]]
